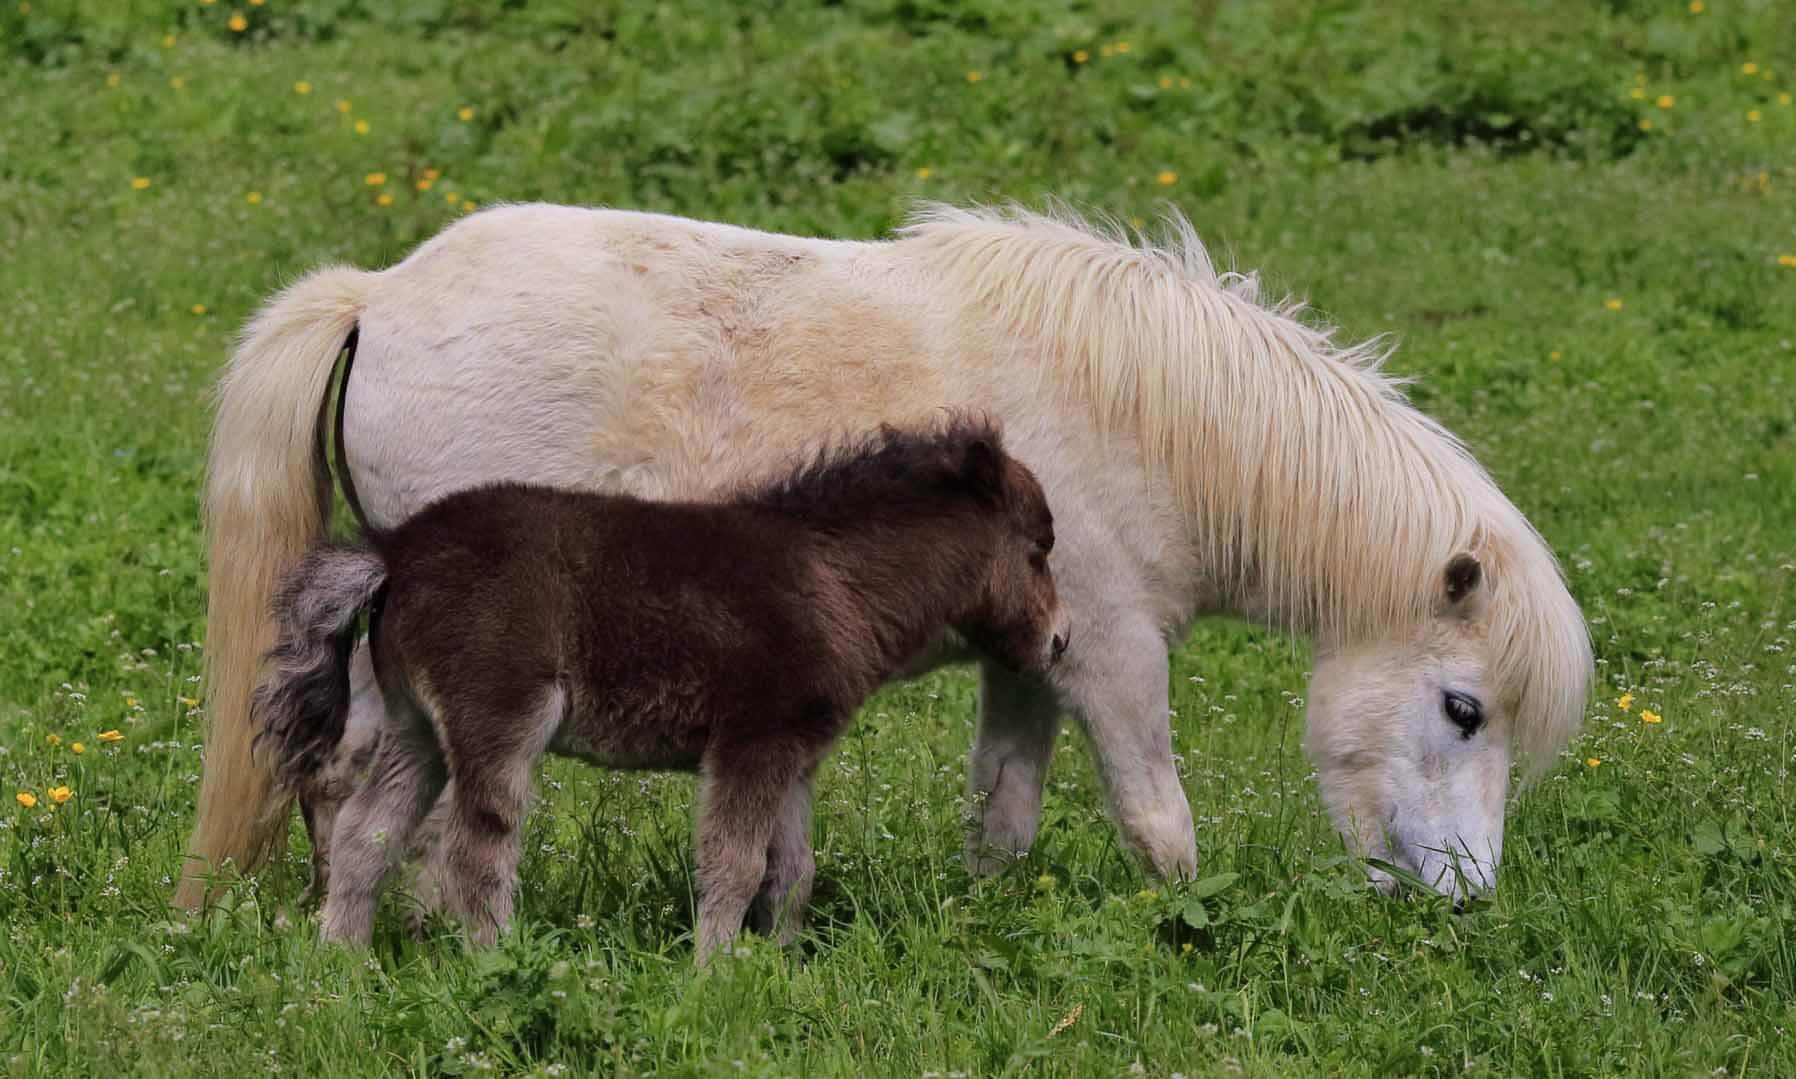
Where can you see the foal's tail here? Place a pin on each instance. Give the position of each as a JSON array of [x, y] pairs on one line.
[[300, 708], [268, 499]]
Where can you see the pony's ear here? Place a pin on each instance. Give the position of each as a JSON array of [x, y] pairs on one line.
[[982, 470], [1464, 575]]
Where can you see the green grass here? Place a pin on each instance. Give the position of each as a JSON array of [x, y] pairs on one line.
[[1476, 182]]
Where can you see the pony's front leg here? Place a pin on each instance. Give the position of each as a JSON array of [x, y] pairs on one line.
[[1019, 718], [1117, 687]]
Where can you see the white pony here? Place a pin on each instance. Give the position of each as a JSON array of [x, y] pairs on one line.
[[1203, 451]]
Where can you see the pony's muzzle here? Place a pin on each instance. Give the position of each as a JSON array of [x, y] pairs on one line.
[[1057, 646]]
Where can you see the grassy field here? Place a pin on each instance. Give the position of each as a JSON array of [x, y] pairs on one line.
[[1579, 219]]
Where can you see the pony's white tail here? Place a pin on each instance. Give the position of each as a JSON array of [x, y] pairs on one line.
[[268, 499]]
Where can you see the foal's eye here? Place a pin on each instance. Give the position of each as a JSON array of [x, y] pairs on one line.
[[1465, 712]]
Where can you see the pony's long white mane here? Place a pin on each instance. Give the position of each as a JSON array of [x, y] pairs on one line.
[[1303, 472]]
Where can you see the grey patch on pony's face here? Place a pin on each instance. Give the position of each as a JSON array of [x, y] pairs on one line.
[[1411, 773]]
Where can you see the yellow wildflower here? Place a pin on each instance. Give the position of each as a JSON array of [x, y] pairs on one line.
[[1045, 882], [1166, 82], [1555, 355], [1752, 116], [179, 82], [425, 183], [112, 79], [1666, 101], [375, 179], [1696, 7], [254, 198], [302, 87], [465, 113], [1184, 83], [433, 174], [110, 736], [140, 183], [1593, 762], [198, 309], [191, 702], [1625, 701], [53, 740], [1081, 55], [1788, 262], [238, 23], [1613, 303], [1646, 123], [257, 3], [168, 41], [361, 127], [1749, 68], [925, 172], [1106, 49], [207, 3], [1783, 98], [1122, 47], [467, 205], [342, 104], [385, 199], [60, 795], [1166, 177], [77, 748], [1647, 715], [1637, 93], [975, 76], [26, 799], [451, 197]]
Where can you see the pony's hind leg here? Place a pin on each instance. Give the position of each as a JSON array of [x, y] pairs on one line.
[[373, 831], [483, 838], [779, 907]]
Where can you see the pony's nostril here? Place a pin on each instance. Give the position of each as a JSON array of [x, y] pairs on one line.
[[1061, 640]]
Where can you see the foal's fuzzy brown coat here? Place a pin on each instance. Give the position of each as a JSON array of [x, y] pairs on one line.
[[737, 639]]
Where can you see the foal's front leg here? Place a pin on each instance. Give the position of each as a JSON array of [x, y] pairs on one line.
[[741, 791], [779, 907]]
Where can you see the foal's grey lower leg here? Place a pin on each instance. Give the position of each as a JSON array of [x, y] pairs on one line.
[[736, 819], [374, 828], [1019, 718], [779, 907], [484, 838]]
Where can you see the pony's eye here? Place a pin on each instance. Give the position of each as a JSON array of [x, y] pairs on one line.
[[1464, 711]]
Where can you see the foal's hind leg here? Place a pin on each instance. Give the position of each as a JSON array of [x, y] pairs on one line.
[[483, 840], [779, 907], [373, 831]]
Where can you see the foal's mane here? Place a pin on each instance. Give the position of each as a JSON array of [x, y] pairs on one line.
[[893, 469], [1305, 477]]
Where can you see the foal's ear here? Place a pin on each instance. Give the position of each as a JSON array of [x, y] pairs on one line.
[[1464, 575], [982, 470]]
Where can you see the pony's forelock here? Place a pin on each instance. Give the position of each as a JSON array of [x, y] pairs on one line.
[[1304, 474]]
